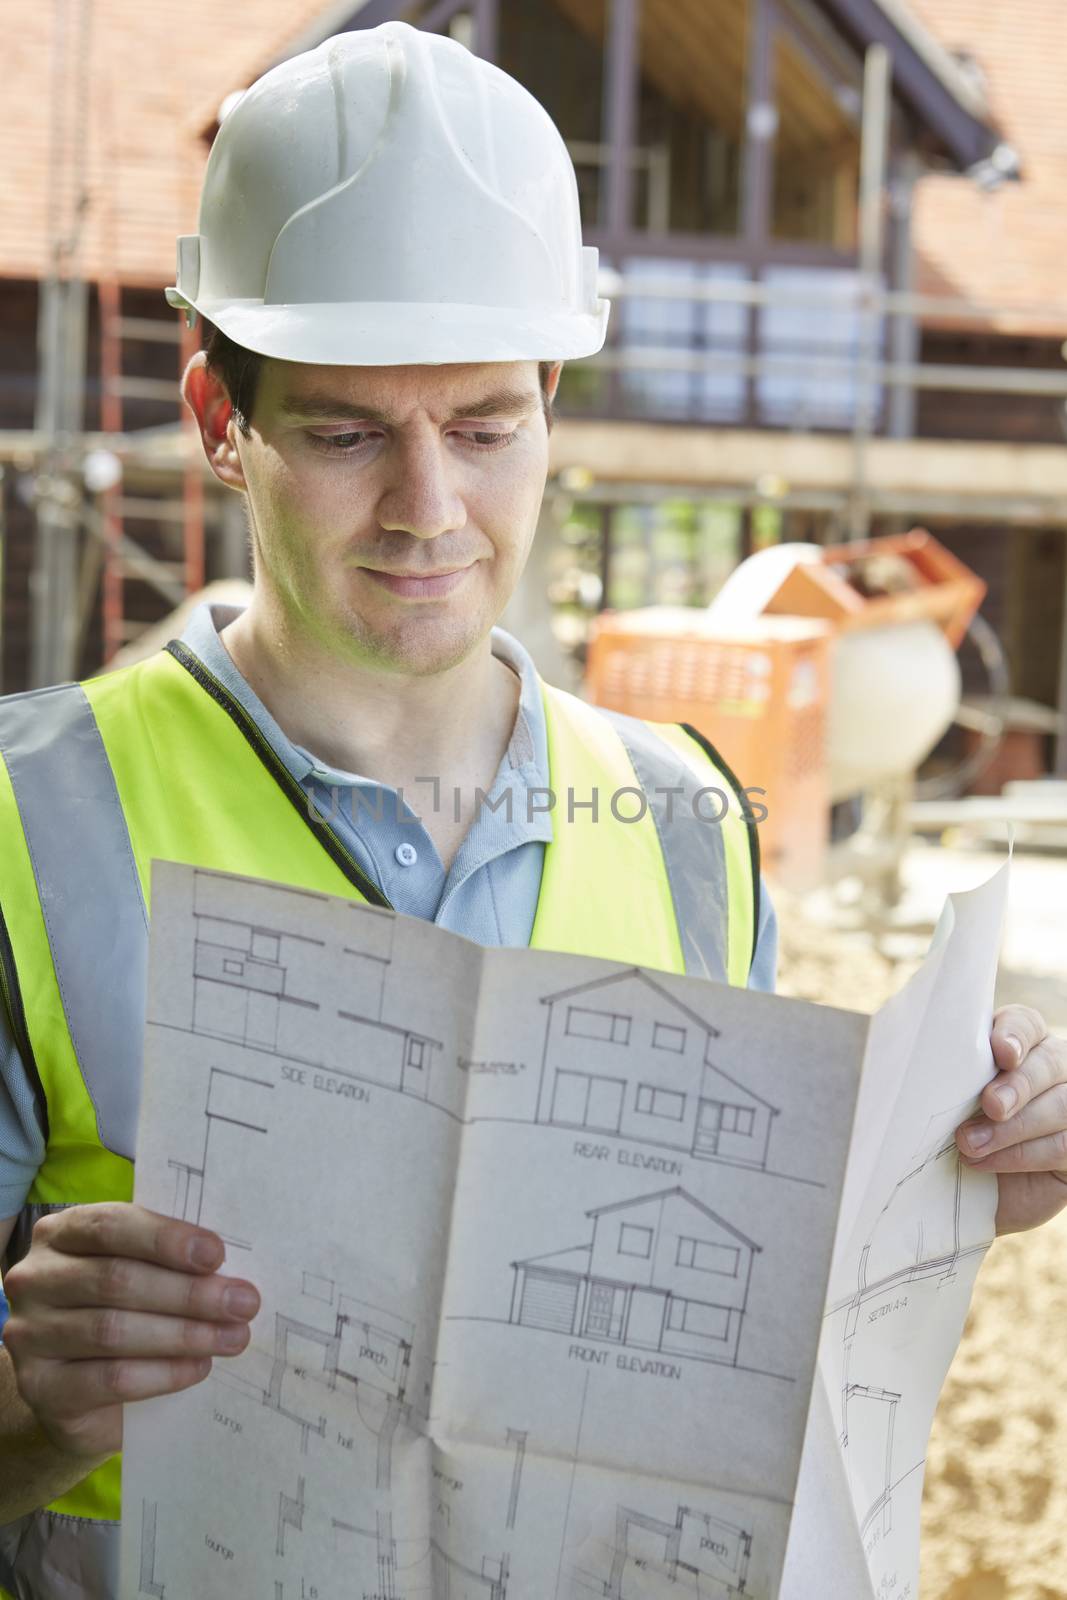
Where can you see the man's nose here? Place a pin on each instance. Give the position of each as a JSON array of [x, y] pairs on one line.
[[421, 496]]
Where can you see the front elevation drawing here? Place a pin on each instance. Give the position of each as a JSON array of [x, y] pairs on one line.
[[661, 1272], [622, 1056]]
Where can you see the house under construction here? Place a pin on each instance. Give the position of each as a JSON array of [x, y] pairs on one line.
[[828, 228]]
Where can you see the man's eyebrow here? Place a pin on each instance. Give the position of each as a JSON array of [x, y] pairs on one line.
[[330, 408]]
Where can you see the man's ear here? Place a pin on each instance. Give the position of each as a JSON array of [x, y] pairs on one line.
[[552, 380], [205, 394]]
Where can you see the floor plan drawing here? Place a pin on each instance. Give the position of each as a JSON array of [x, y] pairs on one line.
[[418, 1569], [661, 1272], [290, 1514], [623, 1056], [695, 1555], [149, 1584], [517, 1439], [237, 1105], [364, 1348], [385, 1551], [452, 1580]]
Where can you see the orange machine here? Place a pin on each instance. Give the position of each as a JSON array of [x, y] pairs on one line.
[[761, 689]]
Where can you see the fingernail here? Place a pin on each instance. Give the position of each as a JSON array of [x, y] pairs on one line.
[[1007, 1098], [1015, 1046], [238, 1302], [231, 1337], [203, 1253], [978, 1135]]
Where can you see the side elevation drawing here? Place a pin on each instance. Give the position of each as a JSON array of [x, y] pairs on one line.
[[250, 982], [236, 1106], [696, 1554], [262, 987], [660, 1272], [623, 1056]]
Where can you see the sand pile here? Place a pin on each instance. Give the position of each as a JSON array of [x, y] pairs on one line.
[[995, 1512]]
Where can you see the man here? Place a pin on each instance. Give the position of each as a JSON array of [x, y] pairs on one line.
[[390, 252]]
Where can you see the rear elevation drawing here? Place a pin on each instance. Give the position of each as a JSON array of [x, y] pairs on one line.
[[661, 1272], [267, 989], [623, 1056], [696, 1554]]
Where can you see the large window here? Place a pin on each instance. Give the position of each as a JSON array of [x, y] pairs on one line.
[[588, 1024], [702, 1256], [659, 1102]]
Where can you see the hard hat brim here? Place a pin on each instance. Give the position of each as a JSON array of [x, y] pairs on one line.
[[384, 334]]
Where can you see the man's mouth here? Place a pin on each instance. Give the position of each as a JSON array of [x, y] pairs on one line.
[[419, 585]]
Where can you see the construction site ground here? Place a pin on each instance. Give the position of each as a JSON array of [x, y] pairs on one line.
[[995, 1511]]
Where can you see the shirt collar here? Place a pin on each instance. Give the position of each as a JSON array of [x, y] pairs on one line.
[[526, 754]]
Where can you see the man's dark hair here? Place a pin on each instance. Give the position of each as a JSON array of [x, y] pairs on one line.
[[239, 370]]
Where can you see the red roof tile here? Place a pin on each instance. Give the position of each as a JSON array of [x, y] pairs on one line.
[[1009, 247], [156, 77]]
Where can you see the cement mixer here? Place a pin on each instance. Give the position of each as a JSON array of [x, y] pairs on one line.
[[820, 673], [895, 684]]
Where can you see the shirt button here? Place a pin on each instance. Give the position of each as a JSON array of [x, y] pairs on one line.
[[406, 854]]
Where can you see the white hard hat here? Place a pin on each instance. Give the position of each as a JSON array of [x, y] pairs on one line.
[[390, 199]]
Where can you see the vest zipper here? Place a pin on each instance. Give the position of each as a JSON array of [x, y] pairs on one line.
[[293, 791], [16, 1016]]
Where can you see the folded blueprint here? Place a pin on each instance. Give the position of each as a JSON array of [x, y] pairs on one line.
[[578, 1280]]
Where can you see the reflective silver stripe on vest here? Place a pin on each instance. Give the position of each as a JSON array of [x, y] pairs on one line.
[[88, 888], [48, 1556], [693, 850]]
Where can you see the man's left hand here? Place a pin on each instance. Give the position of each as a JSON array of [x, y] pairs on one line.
[[1021, 1132]]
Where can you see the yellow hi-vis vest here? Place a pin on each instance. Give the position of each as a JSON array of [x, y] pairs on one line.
[[158, 760]]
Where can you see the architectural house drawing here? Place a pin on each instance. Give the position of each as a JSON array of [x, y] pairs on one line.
[[661, 1272], [243, 989], [290, 1514], [417, 1570], [623, 1056], [236, 1105], [915, 1244], [262, 987], [364, 1347], [696, 1554], [870, 1418], [148, 1583]]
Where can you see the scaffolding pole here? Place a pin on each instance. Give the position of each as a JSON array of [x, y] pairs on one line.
[[61, 336]]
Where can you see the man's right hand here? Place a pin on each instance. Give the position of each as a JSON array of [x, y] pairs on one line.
[[115, 1303]]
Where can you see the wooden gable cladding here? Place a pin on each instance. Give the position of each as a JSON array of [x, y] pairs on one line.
[[692, 51]]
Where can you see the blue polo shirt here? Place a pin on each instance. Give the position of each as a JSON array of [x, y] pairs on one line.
[[488, 893]]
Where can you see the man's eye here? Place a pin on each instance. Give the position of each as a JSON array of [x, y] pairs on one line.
[[491, 441], [339, 442]]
